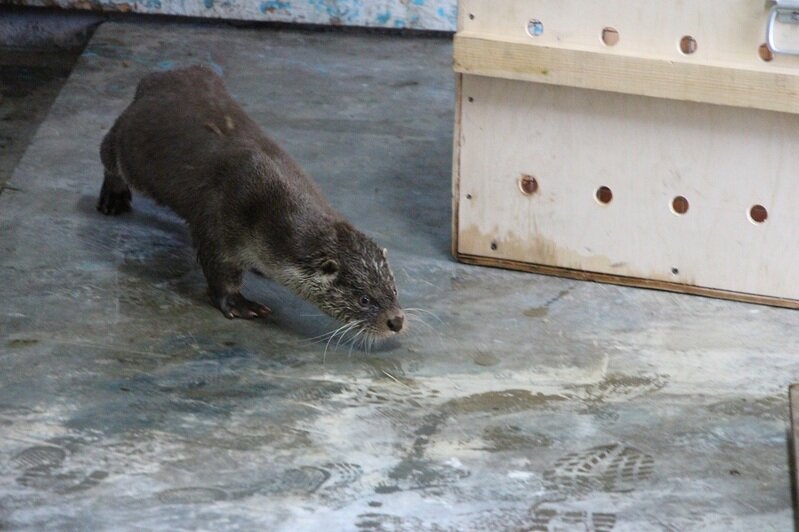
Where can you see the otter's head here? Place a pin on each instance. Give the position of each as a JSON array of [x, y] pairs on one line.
[[348, 277]]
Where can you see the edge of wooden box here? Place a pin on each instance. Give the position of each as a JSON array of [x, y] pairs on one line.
[[637, 282], [456, 164]]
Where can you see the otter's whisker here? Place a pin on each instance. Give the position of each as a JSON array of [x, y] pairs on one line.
[[370, 341], [353, 344], [416, 309], [358, 341], [327, 345], [395, 379], [415, 318], [347, 330], [321, 340]]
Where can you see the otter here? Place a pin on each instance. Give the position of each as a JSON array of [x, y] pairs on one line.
[[187, 144]]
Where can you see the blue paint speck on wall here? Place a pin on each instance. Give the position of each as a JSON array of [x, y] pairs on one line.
[[382, 18], [339, 11], [418, 2], [274, 5], [152, 4], [208, 4]]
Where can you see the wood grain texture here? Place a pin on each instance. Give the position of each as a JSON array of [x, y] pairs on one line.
[[776, 90], [727, 32], [725, 67], [723, 160]]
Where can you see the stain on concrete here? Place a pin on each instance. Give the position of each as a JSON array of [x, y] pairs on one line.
[[501, 438], [500, 402], [536, 312], [22, 342], [618, 387], [767, 407], [485, 359], [192, 495]]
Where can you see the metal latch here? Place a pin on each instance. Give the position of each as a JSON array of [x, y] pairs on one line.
[[786, 12]]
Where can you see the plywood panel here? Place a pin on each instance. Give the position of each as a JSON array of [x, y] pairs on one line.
[[774, 89], [727, 32], [647, 151], [566, 47]]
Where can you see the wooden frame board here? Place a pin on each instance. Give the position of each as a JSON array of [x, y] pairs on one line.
[[722, 159], [793, 401], [726, 64]]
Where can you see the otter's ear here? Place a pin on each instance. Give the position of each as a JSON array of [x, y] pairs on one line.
[[329, 268]]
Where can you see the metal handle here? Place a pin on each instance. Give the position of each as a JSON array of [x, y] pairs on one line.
[[786, 12]]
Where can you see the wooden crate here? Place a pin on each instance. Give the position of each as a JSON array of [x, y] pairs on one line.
[[650, 143]]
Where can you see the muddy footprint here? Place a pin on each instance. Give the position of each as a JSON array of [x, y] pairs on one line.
[[614, 468]]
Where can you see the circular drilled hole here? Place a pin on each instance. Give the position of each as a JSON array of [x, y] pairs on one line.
[[765, 53], [494, 246], [535, 28], [604, 195], [471, 16], [468, 196], [679, 205], [758, 214], [528, 185], [675, 271], [610, 36], [470, 98], [688, 45]]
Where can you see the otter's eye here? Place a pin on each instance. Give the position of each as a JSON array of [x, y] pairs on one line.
[[364, 301]]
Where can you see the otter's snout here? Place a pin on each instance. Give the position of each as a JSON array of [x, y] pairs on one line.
[[396, 322]]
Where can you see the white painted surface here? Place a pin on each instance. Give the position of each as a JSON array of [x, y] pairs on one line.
[[416, 14]]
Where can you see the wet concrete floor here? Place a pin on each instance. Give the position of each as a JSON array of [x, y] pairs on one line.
[[521, 402], [29, 83]]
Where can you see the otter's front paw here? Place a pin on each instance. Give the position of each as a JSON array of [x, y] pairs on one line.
[[113, 203], [237, 306]]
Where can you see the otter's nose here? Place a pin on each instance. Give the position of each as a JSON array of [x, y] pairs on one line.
[[395, 323]]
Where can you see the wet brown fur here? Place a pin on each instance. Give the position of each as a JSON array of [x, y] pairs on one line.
[[186, 143]]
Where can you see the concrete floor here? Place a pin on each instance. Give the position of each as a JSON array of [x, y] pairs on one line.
[[29, 83], [128, 402]]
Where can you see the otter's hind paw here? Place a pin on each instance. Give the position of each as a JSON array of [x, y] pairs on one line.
[[113, 203], [237, 306]]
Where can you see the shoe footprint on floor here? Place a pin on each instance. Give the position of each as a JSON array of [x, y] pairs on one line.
[[547, 519], [614, 467], [42, 468]]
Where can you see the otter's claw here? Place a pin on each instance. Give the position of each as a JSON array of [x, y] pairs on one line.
[[237, 306], [113, 203]]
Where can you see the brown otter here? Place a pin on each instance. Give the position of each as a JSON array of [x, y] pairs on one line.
[[186, 143]]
